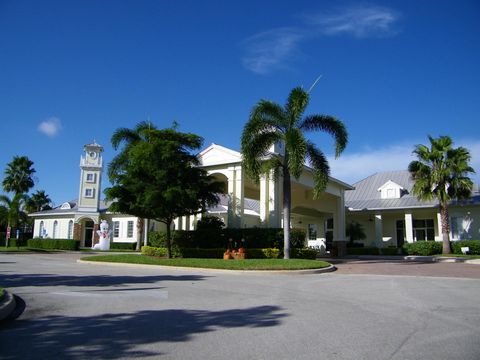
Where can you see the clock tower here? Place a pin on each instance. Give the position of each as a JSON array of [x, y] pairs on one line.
[[91, 167]]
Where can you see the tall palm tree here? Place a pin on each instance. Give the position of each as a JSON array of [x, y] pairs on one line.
[[270, 123], [441, 172], [127, 137], [38, 201], [19, 175], [13, 210]]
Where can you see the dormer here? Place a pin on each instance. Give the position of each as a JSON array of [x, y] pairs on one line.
[[391, 190], [66, 206]]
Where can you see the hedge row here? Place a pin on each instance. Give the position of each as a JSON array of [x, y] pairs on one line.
[[219, 238], [473, 245], [217, 253], [123, 246], [53, 244]]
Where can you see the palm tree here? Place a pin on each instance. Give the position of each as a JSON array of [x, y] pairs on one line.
[[441, 172], [128, 137], [19, 175], [270, 123], [38, 201], [12, 210]]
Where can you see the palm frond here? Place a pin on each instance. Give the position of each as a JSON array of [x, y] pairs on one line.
[[297, 102], [329, 124], [321, 169], [296, 149]]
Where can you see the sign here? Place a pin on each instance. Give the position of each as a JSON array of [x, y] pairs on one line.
[[8, 232]]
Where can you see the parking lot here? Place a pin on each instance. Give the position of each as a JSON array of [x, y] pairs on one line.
[[365, 310]]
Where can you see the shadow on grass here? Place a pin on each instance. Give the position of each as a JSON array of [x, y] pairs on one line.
[[110, 336], [18, 280]]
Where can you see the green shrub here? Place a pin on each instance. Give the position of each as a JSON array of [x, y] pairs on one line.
[[423, 248], [17, 242], [268, 253], [474, 246], [53, 244], [304, 253], [154, 251], [123, 246]]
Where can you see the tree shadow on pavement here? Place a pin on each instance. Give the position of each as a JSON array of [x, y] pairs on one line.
[[18, 280], [111, 336]]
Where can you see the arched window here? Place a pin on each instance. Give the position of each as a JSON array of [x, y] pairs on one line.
[[70, 229], [41, 229], [55, 229]]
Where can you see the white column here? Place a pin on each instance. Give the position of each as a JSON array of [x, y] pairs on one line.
[[439, 222], [178, 223], [145, 231], [236, 197], [378, 230], [408, 228], [339, 219], [270, 200]]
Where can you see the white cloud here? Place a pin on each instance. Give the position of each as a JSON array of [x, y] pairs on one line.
[[50, 127], [358, 21], [352, 167], [271, 50]]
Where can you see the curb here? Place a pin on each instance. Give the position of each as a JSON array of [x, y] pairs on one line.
[[7, 305], [163, 267]]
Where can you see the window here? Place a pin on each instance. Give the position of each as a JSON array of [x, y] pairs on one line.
[[130, 229], [312, 231], [70, 229], [391, 193], [55, 229], [423, 229], [90, 177], [116, 229], [89, 193], [41, 231]]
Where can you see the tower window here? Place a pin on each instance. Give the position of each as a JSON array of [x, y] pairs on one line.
[[90, 177], [89, 193]]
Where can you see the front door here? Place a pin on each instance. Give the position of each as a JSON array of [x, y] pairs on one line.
[[88, 233], [400, 233]]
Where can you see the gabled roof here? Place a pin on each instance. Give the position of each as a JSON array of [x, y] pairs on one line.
[[63, 209], [367, 194], [390, 184], [217, 154]]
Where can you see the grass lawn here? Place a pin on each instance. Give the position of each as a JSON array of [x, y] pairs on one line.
[[2, 292], [250, 264], [111, 250]]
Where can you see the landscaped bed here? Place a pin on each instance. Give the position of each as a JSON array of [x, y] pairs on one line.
[[250, 264]]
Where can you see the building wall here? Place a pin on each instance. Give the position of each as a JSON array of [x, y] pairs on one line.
[[123, 227], [48, 224]]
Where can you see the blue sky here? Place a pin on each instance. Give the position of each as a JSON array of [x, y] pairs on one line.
[[393, 71]]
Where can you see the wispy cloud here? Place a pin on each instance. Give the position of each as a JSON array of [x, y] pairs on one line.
[[358, 21], [274, 49], [50, 127], [271, 50], [357, 166]]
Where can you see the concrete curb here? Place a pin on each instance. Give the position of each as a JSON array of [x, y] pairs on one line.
[[7, 305], [163, 267]]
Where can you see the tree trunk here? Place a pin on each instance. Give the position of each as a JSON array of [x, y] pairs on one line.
[[445, 229], [287, 205], [139, 233], [169, 242]]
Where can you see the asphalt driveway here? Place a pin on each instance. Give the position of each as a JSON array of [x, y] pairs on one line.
[[80, 311]]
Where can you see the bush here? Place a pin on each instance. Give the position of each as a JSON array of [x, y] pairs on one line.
[[123, 246], [474, 246], [53, 244], [423, 248], [17, 242], [268, 253], [304, 253], [154, 251], [210, 222]]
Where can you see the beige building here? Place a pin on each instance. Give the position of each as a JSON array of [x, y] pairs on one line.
[[390, 215], [245, 203]]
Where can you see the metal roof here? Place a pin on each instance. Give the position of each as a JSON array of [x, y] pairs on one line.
[[367, 197]]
